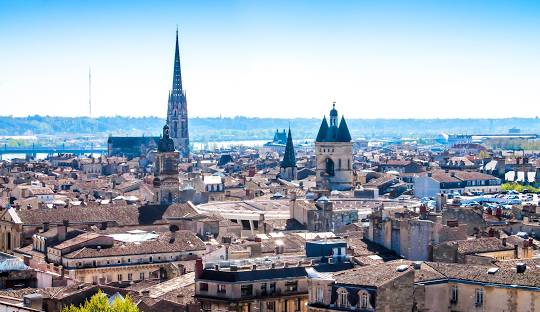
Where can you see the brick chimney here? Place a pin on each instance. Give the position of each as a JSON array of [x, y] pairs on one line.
[[198, 268], [61, 230]]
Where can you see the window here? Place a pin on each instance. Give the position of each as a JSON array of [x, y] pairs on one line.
[[270, 306], [141, 276], [203, 286], [221, 289], [206, 306], [272, 288], [246, 290], [364, 300], [130, 277], [454, 294], [297, 304], [343, 301], [479, 296], [120, 277], [291, 286], [319, 295], [263, 289]]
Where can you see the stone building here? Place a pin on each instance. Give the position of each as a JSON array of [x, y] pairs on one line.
[[252, 287], [166, 170], [324, 214], [333, 149], [385, 287], [412, 236]]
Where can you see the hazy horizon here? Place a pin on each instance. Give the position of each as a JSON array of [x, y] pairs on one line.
[[279, 59]]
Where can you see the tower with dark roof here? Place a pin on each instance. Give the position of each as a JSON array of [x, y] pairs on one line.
[[177, 115], [166, 170], [288, 164], [333, 149]]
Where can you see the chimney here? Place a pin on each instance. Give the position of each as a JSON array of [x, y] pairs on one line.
[[521, 267], [45, 226], [504, 241], [198, 268], [61, 230]]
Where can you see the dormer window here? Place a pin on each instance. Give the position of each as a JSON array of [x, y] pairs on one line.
[[343, 300]]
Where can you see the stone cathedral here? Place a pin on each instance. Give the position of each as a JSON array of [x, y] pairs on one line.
[[177, 116]]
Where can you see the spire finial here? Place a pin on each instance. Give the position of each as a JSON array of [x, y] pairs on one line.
[[334, 104]]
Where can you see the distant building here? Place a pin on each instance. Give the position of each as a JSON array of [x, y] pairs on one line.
[[454, 181], [278, 142], [288, 164], [333, 150], [131, 147], [177, 120]]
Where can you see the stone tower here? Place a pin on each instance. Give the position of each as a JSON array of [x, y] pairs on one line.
[[288, 164], [177, 116], [166, 170], [333, 150]]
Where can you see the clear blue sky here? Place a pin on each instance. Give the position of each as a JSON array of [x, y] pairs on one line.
[[286, 59]]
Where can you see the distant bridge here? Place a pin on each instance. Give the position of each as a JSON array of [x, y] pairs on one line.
[[51, 150]]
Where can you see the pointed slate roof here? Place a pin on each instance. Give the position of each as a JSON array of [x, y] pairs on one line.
[[322, 131], [177, 74], [333, 133], [343, 134], [289, 159]]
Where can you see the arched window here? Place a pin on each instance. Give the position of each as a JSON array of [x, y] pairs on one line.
[[364, 300], [339, 163], [343, 300], [330, 167]]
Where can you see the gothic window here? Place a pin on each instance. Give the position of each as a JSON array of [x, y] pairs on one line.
[[339, 163], [330, 167], [343, 300], [348, 164]]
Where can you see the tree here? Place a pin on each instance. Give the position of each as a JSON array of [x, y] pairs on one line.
[[100, 303]]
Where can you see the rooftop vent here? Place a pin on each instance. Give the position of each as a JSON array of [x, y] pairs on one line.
[[417, 265], [402, 268], [493, 270]]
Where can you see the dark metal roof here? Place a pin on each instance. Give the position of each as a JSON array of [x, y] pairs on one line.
[[252, 275]]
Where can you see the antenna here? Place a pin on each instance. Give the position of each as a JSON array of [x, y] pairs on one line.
[[89, 92]]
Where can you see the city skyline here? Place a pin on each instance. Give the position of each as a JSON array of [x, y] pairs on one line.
[[286, 60]]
